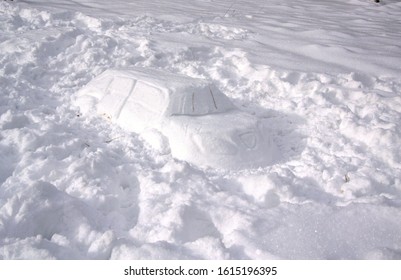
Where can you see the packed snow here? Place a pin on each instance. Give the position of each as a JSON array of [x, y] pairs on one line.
[[323, 77], [194, 119]]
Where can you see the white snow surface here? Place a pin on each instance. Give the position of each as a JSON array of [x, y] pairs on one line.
[[193, 118], [325, 76]]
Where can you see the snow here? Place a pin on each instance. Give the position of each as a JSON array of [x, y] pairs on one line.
[[117, 92], [196, 120], [323, 76]]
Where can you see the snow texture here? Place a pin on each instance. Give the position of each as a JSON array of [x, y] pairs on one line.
[[322, 76], [202, 126]]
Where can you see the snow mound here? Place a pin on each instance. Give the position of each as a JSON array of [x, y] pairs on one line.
[[203, 127], [120, 90]]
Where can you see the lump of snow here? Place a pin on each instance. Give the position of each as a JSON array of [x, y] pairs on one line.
[[201, 124]]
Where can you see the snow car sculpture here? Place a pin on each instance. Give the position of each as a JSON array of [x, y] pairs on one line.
[[201, 124]]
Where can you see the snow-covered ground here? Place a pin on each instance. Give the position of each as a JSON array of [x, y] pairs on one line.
[[324, 75]]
